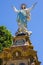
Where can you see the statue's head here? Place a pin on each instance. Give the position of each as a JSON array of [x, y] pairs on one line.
[[23, 6]]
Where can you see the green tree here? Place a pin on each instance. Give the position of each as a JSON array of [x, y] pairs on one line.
[[5, 37]]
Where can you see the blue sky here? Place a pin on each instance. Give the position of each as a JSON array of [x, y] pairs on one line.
[[8, 19]]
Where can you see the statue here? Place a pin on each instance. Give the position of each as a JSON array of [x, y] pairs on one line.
[[23, 16]]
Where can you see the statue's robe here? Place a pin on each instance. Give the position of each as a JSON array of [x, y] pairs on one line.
[[22, 19]]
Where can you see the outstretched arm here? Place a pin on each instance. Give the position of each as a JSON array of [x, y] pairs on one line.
[[32, 6], [15, 9]]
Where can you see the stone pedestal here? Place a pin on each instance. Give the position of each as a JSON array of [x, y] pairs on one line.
[[20, 53]]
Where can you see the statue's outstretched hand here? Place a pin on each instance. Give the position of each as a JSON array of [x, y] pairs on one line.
[[14, 8], [34, 4]]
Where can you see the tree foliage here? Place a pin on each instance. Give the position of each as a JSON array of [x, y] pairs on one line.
[[5, 37]]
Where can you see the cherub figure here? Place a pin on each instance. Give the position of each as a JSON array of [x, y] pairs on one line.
[[23, 16]]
